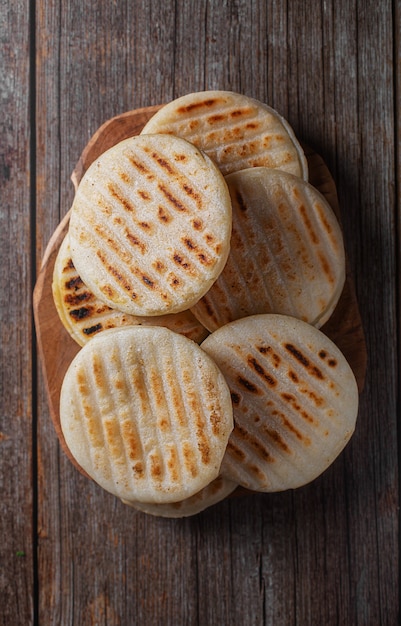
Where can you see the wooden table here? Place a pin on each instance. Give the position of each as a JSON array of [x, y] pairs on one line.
[[325, 554]]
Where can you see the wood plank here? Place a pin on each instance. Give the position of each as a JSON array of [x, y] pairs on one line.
[[327, 553], [17, 552]]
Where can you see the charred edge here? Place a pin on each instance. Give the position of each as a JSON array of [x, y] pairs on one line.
[[92, 329], [262, 372]]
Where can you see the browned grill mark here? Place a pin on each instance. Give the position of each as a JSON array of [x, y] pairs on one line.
[[235, 397], [218, 117], [301, 358], [174, 281], [190, 191], [156, 470], [92, 329], [269, 351], [81, 313], [252, 125], [74, 299], [292, 401], [145, 195], [164, 216], [145, 225], [173, 464], [138, 470], [332, 362], [244, 435], [308, 224], [68, 266], [179, 260], [163, 163], [235, 451], [114, 272], [133, 239], [278, 440], [293, 376], [259, 369], [180, 157], [131, 440], [240, 112], [74, 283], [326, 267], [189, 243], [124, 177], [322, 354], [209, 102], [323, 219], [248, 385], [147, 281], [120, 198], [177, 205], [141, 167], [240, 201], [159, 266], [189, 459], [290, 426], [197, 224]]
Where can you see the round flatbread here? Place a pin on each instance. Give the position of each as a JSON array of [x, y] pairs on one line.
[[287, 253], [83, 315], [150, 225], [146, 413], [236, 131], [295, 400], [210, 495]]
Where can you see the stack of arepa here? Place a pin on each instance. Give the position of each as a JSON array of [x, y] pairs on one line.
[[198, 268]]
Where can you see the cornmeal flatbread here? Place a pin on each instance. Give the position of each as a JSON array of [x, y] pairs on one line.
[[146, 413], [236, 131], [150, 225], [210, 495], [287, 253], [83, 315], [295, 400]]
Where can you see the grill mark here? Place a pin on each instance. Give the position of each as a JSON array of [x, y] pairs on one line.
[[259, 369], [240, 201], [133, 239], [194, 106], [74, 299], [138, 165], [174, 202], [256, 445], [81, 313], [303, 360], [248, 385], [92, 329], [123, 282], [308, 224], [120, 198], [74, 283]]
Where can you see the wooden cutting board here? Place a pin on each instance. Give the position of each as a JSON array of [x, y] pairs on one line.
[[57, 349]]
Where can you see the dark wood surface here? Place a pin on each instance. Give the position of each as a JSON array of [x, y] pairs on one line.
[[325, 554]]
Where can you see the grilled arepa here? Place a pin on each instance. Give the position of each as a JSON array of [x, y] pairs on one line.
[[213, 493], [295, 400], [150, 225], [236, 131], [83, 315], [146, 413], [287, 253]]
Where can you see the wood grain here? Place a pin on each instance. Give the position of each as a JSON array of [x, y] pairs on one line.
[[325, 554]]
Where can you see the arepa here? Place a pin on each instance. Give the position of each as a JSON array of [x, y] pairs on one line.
[[236, 131], [150, 225], [83, 315], [287, 252], [210, 495], [295, 400], [146, 413]]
